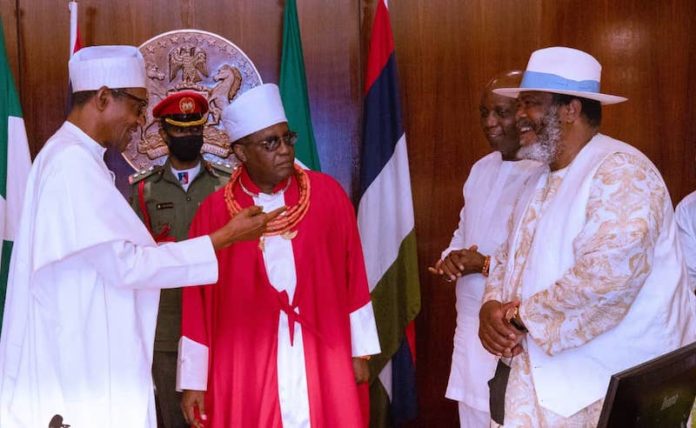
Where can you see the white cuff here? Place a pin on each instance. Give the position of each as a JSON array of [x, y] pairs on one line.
[[363, 332], [447, 251], [192, 366]]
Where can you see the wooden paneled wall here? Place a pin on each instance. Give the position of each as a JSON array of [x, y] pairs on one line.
[[446, 51]]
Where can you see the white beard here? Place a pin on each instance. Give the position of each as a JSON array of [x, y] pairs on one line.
[[545, 149]]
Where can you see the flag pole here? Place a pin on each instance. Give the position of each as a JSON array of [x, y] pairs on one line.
[[74, 30]]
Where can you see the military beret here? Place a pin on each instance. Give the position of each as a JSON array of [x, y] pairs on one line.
[[182, 103]]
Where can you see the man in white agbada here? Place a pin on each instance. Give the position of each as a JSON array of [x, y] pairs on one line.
[[490, 192], [591, 280], [85, 273]]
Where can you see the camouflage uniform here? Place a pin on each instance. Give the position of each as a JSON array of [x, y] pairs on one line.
[[171, 208]]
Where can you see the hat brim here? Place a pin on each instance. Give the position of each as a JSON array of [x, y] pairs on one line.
[[604, 99]]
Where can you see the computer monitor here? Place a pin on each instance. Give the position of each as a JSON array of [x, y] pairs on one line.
[[657, 393]]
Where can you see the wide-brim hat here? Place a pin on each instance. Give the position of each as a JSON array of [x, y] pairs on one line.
[[563, 70]]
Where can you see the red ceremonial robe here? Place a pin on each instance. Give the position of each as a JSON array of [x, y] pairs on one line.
[[237, 318]]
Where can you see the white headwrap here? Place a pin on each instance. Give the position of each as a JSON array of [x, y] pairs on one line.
[[254, 110], [110, 66]]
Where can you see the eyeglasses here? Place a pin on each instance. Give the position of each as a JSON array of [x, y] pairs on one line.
[[142, 103], [271, 144]]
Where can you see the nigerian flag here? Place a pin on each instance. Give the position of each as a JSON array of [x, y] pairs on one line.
[[293, 89], [14, 165]]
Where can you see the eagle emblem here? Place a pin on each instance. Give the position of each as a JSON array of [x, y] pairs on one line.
[[191, 60]]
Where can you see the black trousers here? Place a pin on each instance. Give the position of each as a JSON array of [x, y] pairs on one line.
[[164, 375]]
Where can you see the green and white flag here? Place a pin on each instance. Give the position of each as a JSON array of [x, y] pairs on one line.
[[14, 165], [293, 89]]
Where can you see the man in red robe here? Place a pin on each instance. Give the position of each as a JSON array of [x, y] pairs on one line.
[[283, 338]]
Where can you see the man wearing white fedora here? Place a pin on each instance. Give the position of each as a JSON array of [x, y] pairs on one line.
[[591, 280]]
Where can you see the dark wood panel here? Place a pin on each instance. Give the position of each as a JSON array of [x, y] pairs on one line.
[[43, 58], [8, 14]]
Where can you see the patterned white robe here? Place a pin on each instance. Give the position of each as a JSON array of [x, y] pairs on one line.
[[624, 214]]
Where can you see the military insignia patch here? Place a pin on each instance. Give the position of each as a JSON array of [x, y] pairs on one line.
[[186, 105]]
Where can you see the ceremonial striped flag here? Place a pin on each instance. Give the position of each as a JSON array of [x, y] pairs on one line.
[[14, 165], [293, 89], [385, 219]]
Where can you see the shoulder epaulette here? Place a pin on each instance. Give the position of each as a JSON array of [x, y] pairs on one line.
[[143, 174], [224, 168]]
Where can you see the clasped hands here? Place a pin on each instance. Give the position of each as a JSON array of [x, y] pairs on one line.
[[459, 263], [497, 335]]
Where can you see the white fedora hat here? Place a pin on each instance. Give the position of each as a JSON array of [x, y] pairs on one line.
[[563, 71]]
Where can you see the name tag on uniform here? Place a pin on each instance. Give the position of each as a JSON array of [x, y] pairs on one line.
[[165, 205]]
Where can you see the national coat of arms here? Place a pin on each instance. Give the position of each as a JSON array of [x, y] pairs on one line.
[[197, 61]]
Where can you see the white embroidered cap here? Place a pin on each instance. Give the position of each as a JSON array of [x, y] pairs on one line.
[[254, 110], [563, 71], [111, 66]]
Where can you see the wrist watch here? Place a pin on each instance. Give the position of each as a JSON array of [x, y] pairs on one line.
[[486, 265], [513, 317]]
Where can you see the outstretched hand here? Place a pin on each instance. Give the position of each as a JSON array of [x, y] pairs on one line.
[[249, 224]]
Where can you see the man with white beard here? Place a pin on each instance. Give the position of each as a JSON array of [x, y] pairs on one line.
[[591, 280]]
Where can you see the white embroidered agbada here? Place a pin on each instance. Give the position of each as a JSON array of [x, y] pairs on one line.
[[594, 260], [490, 193], [82, 295]]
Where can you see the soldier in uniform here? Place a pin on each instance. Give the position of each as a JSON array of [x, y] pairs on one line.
[[166, 198]]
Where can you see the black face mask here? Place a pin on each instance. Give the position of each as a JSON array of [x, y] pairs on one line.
[[186, 148]]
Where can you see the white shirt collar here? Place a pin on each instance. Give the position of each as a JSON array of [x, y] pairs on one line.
[[92, 145]]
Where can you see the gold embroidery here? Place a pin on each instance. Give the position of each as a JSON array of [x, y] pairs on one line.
[[613, 251]]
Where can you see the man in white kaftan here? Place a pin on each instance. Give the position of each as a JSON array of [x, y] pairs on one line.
[[591, 280], [85, 273], [490, 192]]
